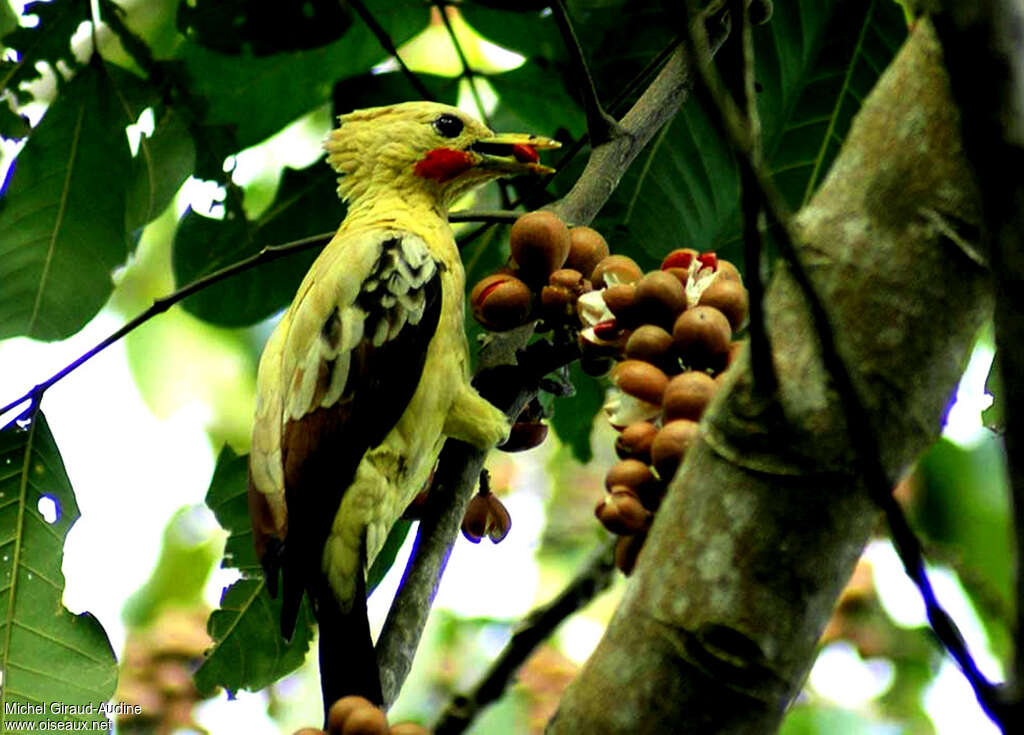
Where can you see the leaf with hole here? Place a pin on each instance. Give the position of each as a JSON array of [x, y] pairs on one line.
[[47, 654]]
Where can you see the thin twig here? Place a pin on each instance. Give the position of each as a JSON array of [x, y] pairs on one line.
[[467, 71], [862, 436], [601, 126], [761, 367], [268, 254], [388, 45], [593, 578], [470, 76]]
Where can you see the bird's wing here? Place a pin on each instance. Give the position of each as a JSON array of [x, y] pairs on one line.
[[350, 358]]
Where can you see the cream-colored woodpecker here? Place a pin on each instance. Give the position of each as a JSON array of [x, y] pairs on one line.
[[366, 374]]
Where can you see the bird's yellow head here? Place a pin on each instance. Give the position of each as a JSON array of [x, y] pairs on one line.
[[426, 147]]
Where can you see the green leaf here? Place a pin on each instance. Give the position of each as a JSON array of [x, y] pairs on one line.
[[164, 159], [229, 26], [306, 204], [573, 417], [522, 110], [48, 42], [63, 213], [259, 95], [48, 654], [530, 33], [683, 189], [248, 651]]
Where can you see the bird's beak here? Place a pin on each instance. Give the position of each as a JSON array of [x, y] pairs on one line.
[[513, 154]]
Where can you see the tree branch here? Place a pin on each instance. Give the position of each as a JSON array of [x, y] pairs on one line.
[[773, 505], [596, 575], [459, 466]]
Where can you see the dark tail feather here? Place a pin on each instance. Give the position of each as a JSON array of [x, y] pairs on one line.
[[348, 663]]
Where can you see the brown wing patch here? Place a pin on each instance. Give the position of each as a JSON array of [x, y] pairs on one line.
[[401, 303]]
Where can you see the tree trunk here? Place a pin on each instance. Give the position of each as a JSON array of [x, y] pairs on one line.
[[765, 520]]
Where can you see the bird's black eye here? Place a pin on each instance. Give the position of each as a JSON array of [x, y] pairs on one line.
[[448, 125]]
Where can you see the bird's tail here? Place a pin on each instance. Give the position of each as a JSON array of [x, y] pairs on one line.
[[348, 663]]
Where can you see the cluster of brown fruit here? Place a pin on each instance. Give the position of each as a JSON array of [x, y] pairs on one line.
[[666, 337], [359, 716]]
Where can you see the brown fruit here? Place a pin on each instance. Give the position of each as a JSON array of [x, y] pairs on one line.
[[631, 473], [539, 242], [635, 441], [525, 435], [587, 248], [487, 516], [569, 279], [687, 395], [729, 297], [701, 336], [640, 379], [557, 304], [615, 269], [343, 709], [727, 272], [659, 298], [627, 550], [671, 443], [622, 512], [309, 731], [501, 302], [366, 721], [620, 300], [650, 343]]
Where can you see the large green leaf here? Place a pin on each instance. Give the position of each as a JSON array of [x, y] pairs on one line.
[[260, 94], [682, 190], [229, 26], [248, 650], [47, 654], [63, 212]]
